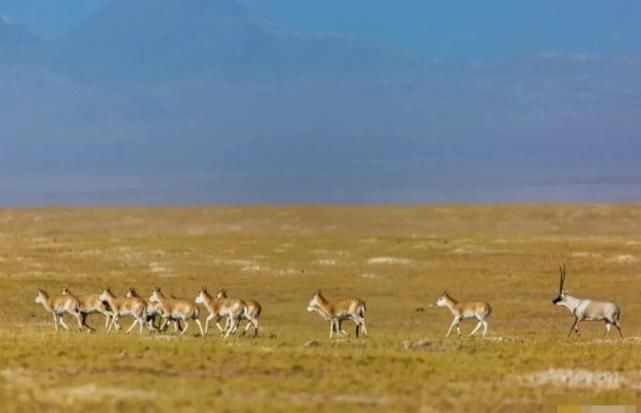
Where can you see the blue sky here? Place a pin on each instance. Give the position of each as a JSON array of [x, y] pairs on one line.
[[435, 28], [164, 101], [456, 28]]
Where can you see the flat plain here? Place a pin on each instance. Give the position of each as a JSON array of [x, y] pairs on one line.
[[398, 259]]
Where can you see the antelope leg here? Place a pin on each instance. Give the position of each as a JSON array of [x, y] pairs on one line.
[[185, 329], [454, 323], [232, 327], [484, 327], [616, 324], [478, 326], [132, 325], [200, 326], [114, 319], [62, 323], [574, 327], [209, 318], [55, 321], [218, 324]]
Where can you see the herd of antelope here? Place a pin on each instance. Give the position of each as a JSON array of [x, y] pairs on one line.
[[234, 310]]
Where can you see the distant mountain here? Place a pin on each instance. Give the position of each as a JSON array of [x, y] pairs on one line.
[[13, 37], [17, 45], [146, 39], [224, 105], [48, 18]]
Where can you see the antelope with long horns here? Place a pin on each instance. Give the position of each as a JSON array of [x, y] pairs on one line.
[[587, 310], [58, 306], [479, 310], [337, 311]]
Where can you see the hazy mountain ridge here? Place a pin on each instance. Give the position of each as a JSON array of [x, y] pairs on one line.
[[173, 39], [205, 89]]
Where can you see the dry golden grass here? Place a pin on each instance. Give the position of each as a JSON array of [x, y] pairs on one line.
[[397, 259]]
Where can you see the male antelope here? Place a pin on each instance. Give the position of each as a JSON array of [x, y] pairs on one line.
[[337, 311], [587, 310], [175, 309], [251, 313], [464, 311], [58, 306], [91, 304], [133, 306], [218, 308]]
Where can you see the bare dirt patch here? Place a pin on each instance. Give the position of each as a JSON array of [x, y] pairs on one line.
[[578, 378], [389, 260]]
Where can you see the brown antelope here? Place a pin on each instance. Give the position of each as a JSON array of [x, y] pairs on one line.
[[464, 311], [91, 304], [153, 310], [337, 311], [58, 306], [133, 306], [587, 310], [172, 308], [251, 313], [218, 308]]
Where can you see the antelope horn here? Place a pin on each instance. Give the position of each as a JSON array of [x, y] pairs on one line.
[[562, 279]]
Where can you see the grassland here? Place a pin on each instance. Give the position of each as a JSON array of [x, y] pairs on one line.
[[397, 259]]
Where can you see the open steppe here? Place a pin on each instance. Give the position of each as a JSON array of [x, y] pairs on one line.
[[398, 259]]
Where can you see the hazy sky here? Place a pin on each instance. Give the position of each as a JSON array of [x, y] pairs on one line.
[[436, 28], [179, 101], [456, 28]]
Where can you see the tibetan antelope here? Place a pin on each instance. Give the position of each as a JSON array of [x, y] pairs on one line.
[[218, 308], [464, 311], [133, 306], [337, 311], [58, 306], [153, 310], [251, 313], [587, 310], [175, 309], [91, 304]]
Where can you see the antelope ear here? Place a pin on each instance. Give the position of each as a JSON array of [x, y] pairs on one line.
[[318, 292]]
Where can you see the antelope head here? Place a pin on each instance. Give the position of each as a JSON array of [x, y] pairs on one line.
[[65, 291], [202, 296], [315, 302], [105, 295], [41, 297], [443, 300], [561, 299], [222, 293], [155, 296]]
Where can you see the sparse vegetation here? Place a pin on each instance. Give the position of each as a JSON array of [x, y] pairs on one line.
[[398, 260]]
